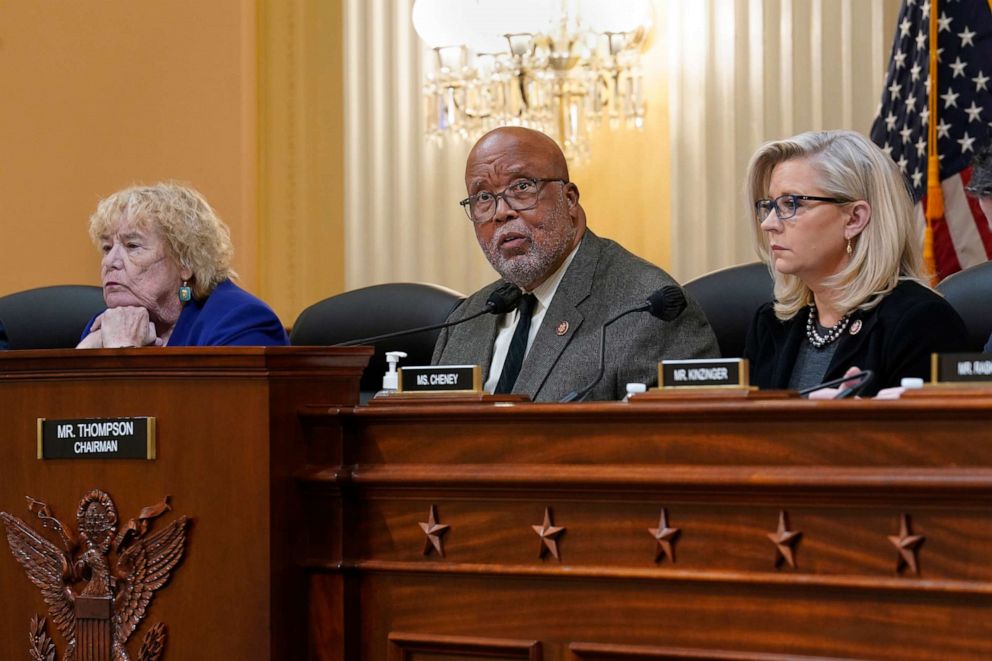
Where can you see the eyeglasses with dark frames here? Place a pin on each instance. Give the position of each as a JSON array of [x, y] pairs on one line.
[[522, 195], [785, 206]]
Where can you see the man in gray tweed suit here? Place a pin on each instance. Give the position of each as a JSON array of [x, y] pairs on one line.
[[532, 229]]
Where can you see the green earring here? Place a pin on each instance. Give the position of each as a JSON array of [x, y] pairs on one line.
[[185, 292]]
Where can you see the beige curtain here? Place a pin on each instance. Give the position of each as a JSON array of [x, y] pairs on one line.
[[403, 222], [737, 73], [746, 71]]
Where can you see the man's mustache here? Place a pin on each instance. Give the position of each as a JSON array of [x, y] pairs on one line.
[[513, 227]]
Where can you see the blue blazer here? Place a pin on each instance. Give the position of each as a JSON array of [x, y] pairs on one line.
[[230, 316]]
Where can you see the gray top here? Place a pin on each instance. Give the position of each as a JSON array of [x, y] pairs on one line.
[[811, 363]]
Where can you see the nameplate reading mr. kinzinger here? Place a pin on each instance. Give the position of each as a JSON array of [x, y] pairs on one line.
[[703, 373], [96, 438]]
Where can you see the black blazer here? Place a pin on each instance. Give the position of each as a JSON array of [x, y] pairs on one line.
[[895, 340]]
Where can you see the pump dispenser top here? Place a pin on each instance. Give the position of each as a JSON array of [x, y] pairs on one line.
[[390, 380]]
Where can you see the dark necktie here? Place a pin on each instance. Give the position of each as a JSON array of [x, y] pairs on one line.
[[518, 346]]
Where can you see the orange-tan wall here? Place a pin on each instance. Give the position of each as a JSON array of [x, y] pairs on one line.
[[237, 97], [626, 194], [97, 96], [301, 153]]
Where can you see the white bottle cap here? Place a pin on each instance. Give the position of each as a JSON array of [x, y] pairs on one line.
[[634, 388], [911, 382], [390, 380]]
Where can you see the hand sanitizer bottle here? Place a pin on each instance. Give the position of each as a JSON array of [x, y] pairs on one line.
[[390, 380]]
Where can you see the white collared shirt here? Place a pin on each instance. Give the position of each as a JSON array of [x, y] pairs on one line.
[[505, 327]]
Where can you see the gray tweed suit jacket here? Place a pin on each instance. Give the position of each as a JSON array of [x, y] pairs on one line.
[[603, 280]]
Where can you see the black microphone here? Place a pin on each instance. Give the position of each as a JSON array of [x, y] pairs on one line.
[[666, 304], [504, 298], [862, 378]]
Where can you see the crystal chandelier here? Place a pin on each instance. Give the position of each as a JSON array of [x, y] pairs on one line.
[[559, 66]]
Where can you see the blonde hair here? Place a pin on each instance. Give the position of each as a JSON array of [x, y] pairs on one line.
[[197, 238], [851, 168]]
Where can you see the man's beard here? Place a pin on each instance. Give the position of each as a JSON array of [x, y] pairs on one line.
[[535, 264]]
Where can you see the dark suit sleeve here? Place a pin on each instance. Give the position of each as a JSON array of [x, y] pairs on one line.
[[759, 349], [751, 341], [929, 327], [442, 338], [644, 341]]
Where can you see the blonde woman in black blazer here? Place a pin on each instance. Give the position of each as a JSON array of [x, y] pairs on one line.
[[833, 219]]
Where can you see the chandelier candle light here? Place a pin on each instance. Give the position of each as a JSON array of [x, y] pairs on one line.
[[559, 66]]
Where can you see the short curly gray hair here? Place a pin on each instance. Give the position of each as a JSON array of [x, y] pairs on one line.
[[197, 238]]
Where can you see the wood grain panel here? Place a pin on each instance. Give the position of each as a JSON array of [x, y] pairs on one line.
[[791, 620], [423, 647], [845, 473], [229, 441], [597, 652]]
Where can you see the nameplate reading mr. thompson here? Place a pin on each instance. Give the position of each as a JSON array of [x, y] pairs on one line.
[[96, 438]]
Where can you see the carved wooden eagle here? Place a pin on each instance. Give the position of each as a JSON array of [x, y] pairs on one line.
[[114, 599]]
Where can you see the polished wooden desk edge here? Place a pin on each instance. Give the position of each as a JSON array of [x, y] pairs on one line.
[[906, 583], [64, 363], [671, 410], [897, 478]]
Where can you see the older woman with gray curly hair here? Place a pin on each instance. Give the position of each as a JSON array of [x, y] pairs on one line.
[[833, 219], [166, 272]]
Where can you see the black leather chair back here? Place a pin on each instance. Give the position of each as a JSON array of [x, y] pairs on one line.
[[378, 310], [729, 298], [970, 292], [49, 317]]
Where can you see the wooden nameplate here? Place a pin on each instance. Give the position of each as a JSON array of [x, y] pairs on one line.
[[710, 393], [441, 397], [968, 390]]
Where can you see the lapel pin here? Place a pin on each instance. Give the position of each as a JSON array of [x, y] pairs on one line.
[[562, 328], [856, 327]]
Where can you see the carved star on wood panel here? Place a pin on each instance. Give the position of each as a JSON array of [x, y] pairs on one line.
[[908, 545], [785, 541], [434, 532], [665, 537], [549, 534]]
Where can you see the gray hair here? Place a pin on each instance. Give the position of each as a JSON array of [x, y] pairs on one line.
[[197, 238]]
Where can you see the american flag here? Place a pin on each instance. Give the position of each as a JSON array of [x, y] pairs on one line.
[[963, 122]]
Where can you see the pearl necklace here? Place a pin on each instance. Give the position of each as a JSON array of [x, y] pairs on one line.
[[819, 341]]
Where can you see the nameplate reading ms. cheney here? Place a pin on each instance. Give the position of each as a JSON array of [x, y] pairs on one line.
[[96, 438], [441, 378]]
